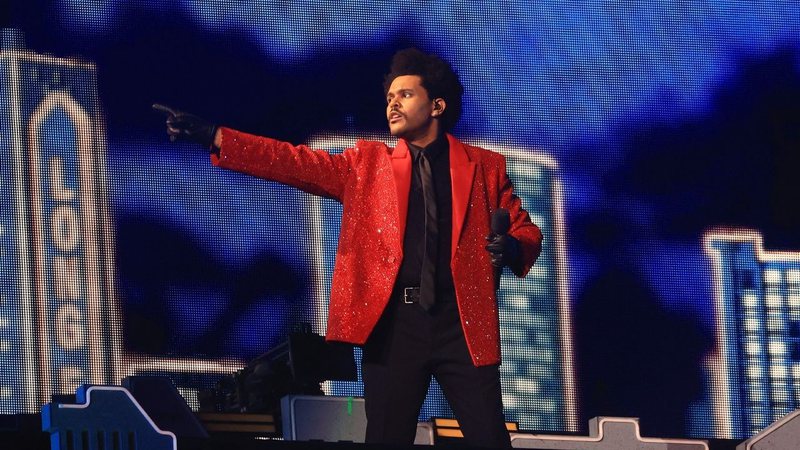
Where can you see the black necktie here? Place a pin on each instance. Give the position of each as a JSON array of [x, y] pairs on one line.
[[427, 286]]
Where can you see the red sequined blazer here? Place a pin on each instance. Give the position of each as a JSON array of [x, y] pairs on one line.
[[372, 182]]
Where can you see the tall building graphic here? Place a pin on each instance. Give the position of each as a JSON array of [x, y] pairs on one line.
[[57, 327], [60, 321], [537, 370], [757, 297], [535, 316]]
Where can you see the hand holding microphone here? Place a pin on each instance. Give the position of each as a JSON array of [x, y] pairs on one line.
[[182, 126], [503, 248]]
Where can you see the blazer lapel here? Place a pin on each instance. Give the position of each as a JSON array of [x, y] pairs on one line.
[[401, 165], [462, 171]]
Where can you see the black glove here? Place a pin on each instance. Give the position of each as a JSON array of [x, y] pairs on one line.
[[504, 250], [188, 127]]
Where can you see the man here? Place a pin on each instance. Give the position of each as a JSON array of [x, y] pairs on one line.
[[414, 280]]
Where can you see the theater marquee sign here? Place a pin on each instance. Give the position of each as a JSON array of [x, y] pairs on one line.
[[56, 313]]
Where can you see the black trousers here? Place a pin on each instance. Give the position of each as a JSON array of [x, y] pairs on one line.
[[408, 346]]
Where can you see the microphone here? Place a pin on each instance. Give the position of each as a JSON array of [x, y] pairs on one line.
[[501, 223]]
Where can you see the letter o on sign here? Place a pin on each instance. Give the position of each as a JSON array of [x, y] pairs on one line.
[[65, 228]]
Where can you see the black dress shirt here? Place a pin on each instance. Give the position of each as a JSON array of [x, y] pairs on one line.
[[438, 153]]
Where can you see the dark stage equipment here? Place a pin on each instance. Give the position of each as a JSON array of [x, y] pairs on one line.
[[296, 366]]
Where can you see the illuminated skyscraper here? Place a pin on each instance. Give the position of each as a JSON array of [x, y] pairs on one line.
[[757, 368], [56, 257]]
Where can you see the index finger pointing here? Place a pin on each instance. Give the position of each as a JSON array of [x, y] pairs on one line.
[[164, 109]]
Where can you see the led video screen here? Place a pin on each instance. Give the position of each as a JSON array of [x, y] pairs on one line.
[[655, 144]]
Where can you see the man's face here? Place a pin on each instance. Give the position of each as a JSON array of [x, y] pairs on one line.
[[411, 112]]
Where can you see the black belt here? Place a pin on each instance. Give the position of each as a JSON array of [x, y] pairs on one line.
[[410, 295]]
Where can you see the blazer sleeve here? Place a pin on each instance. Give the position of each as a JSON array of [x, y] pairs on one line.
[[315, 171], [526, 232]]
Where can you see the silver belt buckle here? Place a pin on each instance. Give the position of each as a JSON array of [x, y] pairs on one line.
[[410, 295]]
